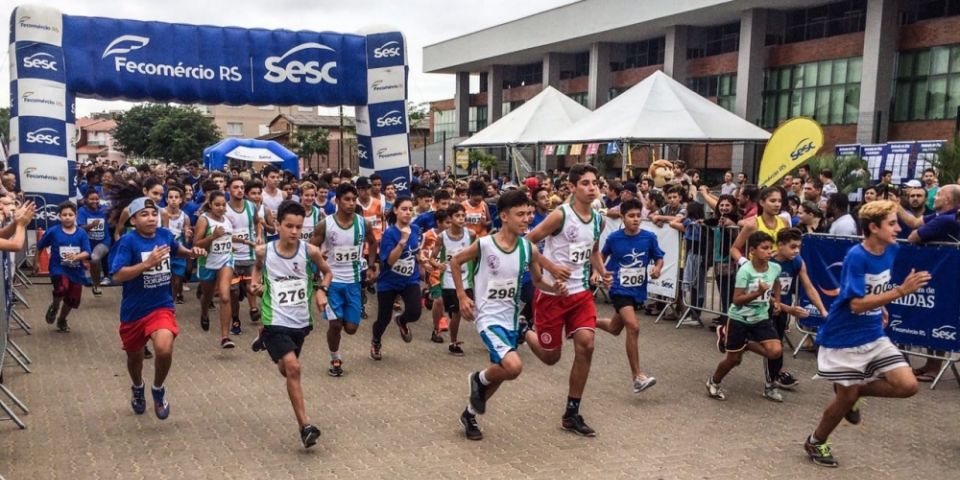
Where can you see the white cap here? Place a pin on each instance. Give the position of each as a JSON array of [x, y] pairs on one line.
[[914, 184]]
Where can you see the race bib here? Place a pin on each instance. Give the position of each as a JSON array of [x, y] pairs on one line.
[[375, 222], [785, 284], [632, 277], [580, 252], [363, 263], [305, 235], [289, 293], [97, 232], [162, 268], [66, 251], [754, 286], [404, 267], [474, 218], [222, 245], [499, 290], [876, 284], [346, 254]]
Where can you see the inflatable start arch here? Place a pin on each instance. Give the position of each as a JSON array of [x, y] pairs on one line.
[[56, 57]]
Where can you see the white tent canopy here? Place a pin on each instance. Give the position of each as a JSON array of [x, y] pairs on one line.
[[541, 116], [659, 109]]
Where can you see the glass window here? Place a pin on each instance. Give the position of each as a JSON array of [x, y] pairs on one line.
[[722, 87], [940, 61], [937, 100], [826, 73], [644, 53], [928, 84], [828, 91], [837, 18]]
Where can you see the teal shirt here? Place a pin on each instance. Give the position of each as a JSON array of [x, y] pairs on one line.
[[931, 194], [749, 279]]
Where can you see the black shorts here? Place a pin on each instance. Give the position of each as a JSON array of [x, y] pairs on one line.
[[451, 303], [780, 321], [739, 333], [283, 340], [621, 301]]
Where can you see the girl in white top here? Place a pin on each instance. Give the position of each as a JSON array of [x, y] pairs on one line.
[[215, 234], [314, 216]]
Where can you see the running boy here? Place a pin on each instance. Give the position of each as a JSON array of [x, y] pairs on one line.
[[141, 263], [628, 254], [748, 325], [69, 247], [178, 222], [502, 258], [433, 266], [283, 277], [455, 239], [854, 352], [92, 217], [247, 234]]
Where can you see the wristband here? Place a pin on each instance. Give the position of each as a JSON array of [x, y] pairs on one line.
[[742, 261]]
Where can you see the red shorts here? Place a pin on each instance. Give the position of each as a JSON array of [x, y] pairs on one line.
[[556, 314], [135, 334], [66, 289]]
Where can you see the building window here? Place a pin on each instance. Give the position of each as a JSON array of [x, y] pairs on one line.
[[838, 18], [828, 91], [642, 54], [581, 66], [579, 97], [234, 129], [722, 87], [614, 92], [928, 84], [444, 122], [920, 10], [529, 74], [717, 40], [478, 119]]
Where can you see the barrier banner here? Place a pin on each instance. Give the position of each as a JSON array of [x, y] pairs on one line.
[[927, 318], [850, 150], [928, 152], [669, 241]]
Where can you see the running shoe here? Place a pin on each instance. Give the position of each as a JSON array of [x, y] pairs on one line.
[[522, 327], [309, 435], [714, 390], [160, 405], [786, 381], [820, 453], [97, 291], [226, 343], [722, 338], [455, 349], [52, 313], [336, 368], [179, 299], [235, 327], [186, 288], [576, 425], [138, 402], [642, 383], [477, 395], [470, 427], [375, 351], [205, 324], [62, 326], [106, 282], [257, 344], [435, 337], [405, 332], [255, 316], [853, 416], [770, 392], [147, 353], [363, 312]]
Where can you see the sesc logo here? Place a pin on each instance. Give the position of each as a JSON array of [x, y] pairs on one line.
[[45, 136], [390, 119], [41, 60], [387, 50], [125, 44], [294, 70], [945, 332], [400, 183], [362, 152]]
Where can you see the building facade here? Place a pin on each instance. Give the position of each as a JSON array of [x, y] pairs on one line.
[[249, 121], [867, 70]]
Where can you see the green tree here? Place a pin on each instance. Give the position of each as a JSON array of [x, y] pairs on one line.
[[309, 142], [5, 123], [948, 162], [417, 111], [483, 160], [174, 134], [842, 167]]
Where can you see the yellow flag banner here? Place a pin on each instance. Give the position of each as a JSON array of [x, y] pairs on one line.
[[791, 145], [463, 159], [576, 148]]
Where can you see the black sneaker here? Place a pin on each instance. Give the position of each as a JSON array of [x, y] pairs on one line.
[[722, 338], [576, 425], [477, 395], [522, 327], [852, 416], [309, 435], [257, 344], [820, 453], [375, 351], [786, 381], [137, 401], [363, 313], [255, 316], [179, 299], [97, 291], [405, 333], [62, 326], [52, 313], [226, 343], [205, 324], [336, 368], [235, 327], [470, 427], [435, 337], [146, 352], [455, 349]]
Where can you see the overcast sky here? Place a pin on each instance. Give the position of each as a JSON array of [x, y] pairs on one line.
[[422, 21]]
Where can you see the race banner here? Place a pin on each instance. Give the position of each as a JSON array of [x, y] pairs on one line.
[[928, 152], [850, 150], [876, 158], [669, 241], [927, 318], [898, 160]]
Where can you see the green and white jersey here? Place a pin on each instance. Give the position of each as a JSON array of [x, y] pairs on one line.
[[497, 277], [571, 247], [313, 218], [177, 225], [220, 252], [244, 227], [344, 248], [287, 288], [450, 247]]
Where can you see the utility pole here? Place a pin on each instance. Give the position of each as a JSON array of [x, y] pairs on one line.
[[340, 142]]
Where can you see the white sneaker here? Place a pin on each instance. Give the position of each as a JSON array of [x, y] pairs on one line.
[[186, 288], [641, 384], [105, 282], [773, 394], [714, 390]]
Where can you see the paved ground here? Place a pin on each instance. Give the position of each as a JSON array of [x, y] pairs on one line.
[[398, 418]]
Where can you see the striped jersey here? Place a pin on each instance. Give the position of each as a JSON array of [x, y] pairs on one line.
[[344, 248], [571, 246], [287, 288], [497, 277], [244, 227], [448, 249]]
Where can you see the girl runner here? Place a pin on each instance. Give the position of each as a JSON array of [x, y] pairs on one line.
[[215, 235]]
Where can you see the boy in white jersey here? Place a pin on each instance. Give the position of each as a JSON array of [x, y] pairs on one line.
[[452, 241], [178, 222], [501, 260], [283, 275], [570, 234], [342, 237], [247, 234]]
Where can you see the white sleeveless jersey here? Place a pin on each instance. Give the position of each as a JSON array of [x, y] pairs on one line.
[[497, 278], [272, 202], [448, 248], [344, 248], [244, 227], [220, 252], [177, 225], [313, 218], [287, 288], [571, 246]]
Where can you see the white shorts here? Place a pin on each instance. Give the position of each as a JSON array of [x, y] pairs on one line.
[[859, 365]]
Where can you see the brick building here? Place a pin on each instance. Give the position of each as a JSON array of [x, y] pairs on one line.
[[868, 70]]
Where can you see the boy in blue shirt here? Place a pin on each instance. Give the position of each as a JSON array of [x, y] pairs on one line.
[[92, 217], [855, 354], [628, 254], [69, 247], [142, 264]]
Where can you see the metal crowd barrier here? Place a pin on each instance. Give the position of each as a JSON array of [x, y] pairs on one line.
[[10, 298], [707, 271]]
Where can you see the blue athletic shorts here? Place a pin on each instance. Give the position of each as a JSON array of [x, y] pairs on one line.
[[205, 274], [343, 302], [499, 340], [178, 266]]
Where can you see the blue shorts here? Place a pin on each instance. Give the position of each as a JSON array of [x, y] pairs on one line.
[[178, 266], [499, 341], [343, 302], [205, 274]]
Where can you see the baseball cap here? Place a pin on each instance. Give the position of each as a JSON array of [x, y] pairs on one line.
[[914, 184], [140, 204], [363, 182], [532, 183]]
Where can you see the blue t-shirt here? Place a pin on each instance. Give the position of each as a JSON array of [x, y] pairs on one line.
[[628, 257], [62, 244], [406, 271], [99, 233], [789, 270], [191, 209], [426, 221], [537, 218], [940, 227], [863, 274], [151, 290]]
